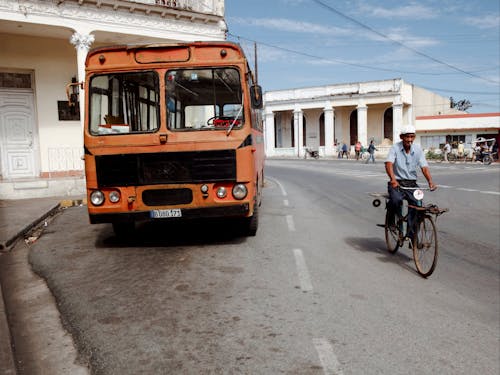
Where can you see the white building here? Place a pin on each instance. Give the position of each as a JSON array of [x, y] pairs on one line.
[[43, 45], [434, 131], [364, 111]]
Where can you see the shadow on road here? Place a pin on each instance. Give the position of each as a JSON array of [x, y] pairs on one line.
[[171, 234], [378, 246]]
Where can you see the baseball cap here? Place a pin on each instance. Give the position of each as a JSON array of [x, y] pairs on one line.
[[408, 129]]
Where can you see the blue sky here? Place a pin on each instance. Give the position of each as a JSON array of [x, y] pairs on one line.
[[451, 47]]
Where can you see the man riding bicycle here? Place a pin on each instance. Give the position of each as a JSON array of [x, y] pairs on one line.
[[401, 166]]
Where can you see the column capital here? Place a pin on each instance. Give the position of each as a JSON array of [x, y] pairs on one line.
[[82, 41], [328, 109]]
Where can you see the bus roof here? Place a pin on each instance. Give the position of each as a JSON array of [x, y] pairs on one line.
[[116, 56]]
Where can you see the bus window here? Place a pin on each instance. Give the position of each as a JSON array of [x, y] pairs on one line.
[[124, 103], [204, 99]]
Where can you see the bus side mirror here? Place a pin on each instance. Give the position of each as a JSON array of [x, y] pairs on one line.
[[256, 96]]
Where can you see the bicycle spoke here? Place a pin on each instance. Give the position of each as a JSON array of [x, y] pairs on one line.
[[425, 248], [391, 236]]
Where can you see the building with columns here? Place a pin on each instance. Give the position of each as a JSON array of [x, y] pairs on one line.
[[320, 117], [43, 46]]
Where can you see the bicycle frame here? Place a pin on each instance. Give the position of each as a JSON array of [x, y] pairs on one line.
[[424, 240]]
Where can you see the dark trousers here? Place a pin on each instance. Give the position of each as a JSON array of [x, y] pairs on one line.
[[396, 197]]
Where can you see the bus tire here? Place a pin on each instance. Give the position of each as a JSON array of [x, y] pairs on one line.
[[252, 222]]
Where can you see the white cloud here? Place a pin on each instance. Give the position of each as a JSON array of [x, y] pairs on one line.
[[413, 11], [287, 25], [484, 22], [402, 36]]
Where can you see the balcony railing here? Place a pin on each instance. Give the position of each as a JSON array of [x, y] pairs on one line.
[[215, 7]]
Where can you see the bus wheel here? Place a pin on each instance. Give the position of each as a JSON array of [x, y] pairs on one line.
[[252, 223], [124, 229]]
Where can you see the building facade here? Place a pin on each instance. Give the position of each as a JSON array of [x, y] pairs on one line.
[[322, 117], [43, 46], [434, 131]]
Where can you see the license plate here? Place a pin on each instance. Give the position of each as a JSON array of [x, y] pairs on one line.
[[162, 214]]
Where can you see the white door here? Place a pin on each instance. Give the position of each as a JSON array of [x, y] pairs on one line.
[[17, 134]]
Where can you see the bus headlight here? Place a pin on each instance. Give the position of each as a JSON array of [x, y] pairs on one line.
[[240, 191], [97, 197], [114, 196], [221, 192]]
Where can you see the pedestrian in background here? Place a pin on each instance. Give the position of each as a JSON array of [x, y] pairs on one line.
[[446, 150], [461, 149], [344, 151], [371, 151], [357, 149]]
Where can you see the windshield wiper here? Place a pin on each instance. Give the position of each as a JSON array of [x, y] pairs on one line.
[[234, 120]]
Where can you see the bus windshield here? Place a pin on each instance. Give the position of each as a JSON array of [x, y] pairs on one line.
[[204, 99], [124, 103]]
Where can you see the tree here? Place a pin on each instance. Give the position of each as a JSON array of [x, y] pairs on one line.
[[461, 105]]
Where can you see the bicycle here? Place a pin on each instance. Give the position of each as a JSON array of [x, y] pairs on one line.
[[424, 243]]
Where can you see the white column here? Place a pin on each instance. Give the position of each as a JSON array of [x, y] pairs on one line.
[[269, 127], [397, 121], [363, 124], [338, 125], [297, 128], [300, 118], [82, 43], [329, 115]]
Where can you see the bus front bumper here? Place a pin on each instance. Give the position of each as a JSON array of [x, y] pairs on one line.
[[238, 210]]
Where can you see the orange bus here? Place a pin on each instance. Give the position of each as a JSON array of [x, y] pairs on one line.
[[172, 131]]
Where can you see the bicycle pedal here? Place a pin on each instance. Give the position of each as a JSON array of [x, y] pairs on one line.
[[381, 225]]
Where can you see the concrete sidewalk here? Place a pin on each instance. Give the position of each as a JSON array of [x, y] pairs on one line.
[[17, 219]]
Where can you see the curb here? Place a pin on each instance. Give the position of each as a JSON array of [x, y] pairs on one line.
[[9, 244], [7, 361], [65, 203]]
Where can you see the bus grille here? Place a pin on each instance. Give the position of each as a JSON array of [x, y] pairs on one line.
[[166, 168], [163, 197]]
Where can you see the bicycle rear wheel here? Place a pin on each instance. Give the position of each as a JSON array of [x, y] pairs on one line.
[[425, 246], [391, 235]]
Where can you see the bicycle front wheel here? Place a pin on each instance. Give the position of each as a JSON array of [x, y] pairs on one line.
[[391, 235], [425, 246]]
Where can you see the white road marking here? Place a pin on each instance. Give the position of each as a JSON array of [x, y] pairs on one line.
[[283, 191], [331, 365], [445, 186], [490, 192], [285, 202], [290, 223], [464, 189], [305, 280]]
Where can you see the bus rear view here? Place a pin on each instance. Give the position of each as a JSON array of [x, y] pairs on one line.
[[172, 132]]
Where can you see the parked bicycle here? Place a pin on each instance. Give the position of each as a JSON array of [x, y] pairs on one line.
[[312, 153], [424, 243]]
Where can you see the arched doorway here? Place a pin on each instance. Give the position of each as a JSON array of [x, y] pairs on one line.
[[353, 127], [303, 131], [322, 129], [388, 124], [292, 126]]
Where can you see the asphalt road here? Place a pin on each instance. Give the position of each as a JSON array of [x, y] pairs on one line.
[[315, 292]]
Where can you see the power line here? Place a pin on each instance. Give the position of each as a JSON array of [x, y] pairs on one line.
[[334, 10], [239, 37], [463, 92]]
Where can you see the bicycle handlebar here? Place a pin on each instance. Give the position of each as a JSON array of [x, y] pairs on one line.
[[417, 188]]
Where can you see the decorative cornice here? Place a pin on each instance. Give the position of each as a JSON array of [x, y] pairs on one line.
[[83, 41], [158, 23]]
